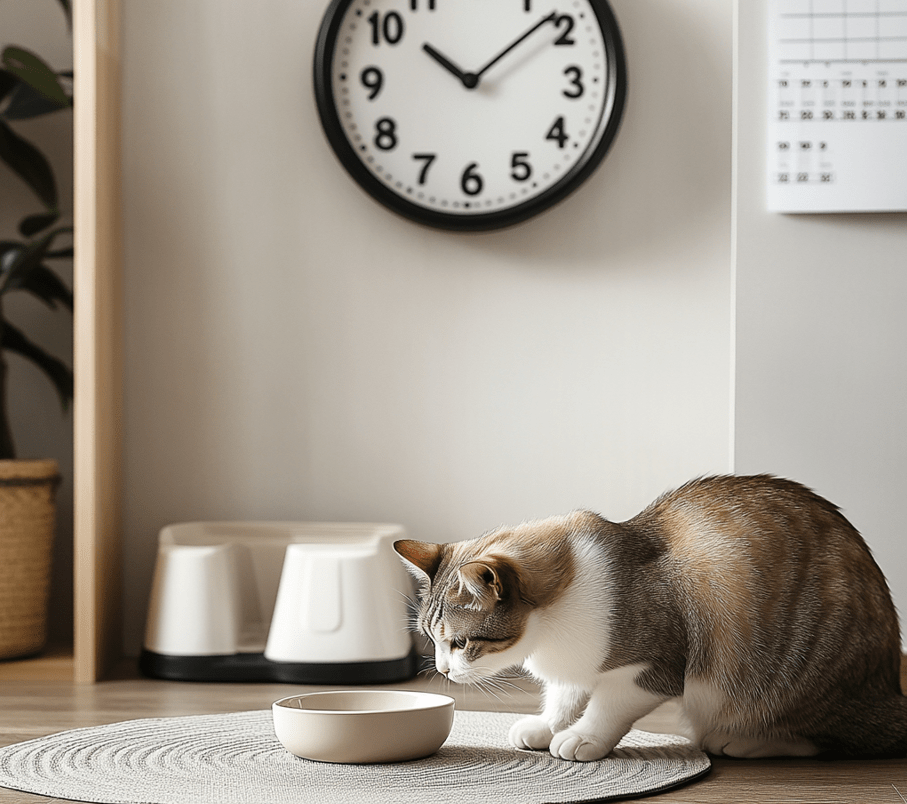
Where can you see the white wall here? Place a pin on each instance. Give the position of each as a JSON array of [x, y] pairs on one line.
[[821, 339], [293, 351], [40, 428]]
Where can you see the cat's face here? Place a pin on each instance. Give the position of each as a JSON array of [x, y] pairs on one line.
[[471, 607]]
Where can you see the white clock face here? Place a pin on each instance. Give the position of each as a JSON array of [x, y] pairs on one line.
[[471, 108]]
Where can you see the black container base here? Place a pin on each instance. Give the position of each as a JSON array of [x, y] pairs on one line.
[[252, 667]]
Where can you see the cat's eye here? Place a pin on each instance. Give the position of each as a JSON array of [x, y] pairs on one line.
[[459, 643]]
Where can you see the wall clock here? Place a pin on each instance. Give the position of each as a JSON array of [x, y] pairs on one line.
[[469, 114]]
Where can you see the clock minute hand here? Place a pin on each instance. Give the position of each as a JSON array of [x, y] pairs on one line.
[[469, 80], [549, 18]]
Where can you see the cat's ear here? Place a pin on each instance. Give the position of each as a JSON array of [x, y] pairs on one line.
[[482, 580], [420, 558]]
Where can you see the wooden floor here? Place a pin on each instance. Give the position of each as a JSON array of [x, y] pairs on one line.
[[36, 708]]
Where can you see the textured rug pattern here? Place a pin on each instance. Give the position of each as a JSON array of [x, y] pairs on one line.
[[236, 759]]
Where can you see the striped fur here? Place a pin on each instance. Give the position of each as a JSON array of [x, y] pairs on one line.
[[751, 599]]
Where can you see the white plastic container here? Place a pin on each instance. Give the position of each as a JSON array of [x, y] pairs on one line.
[[287, 601]]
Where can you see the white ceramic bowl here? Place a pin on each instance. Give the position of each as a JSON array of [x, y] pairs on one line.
[[358, 726]]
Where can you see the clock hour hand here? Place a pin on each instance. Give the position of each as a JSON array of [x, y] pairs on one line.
[[546, 19], [469, 80]]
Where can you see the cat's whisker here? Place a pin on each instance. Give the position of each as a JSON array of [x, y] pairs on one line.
[[492, 690], [412, 606], [499, 694], [481, 685], [434, 674], [492, 685], [502, 681], [505, 687], [490, 694]]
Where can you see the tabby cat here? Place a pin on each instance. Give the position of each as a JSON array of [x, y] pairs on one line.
[[750, 599]]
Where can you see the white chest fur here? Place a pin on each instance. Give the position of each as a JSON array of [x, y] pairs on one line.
[[570, 638]]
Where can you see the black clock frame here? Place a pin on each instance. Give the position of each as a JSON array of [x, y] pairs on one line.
[[615, 99]]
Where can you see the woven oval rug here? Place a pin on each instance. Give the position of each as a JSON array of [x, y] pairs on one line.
[[236, 759]]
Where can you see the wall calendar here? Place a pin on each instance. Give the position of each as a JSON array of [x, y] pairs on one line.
[[837, 106]]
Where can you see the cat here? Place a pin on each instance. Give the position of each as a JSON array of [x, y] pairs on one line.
[[750, 599]]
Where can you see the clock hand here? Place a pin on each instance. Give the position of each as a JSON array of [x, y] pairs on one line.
[[550, 18], [469, 80]]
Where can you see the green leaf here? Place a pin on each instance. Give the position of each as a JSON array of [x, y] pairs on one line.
[[43, 283], [37, 223], [57, 371], [16, 264], [26, 273], [31, 69], [29, 164], [8, 82], [67, 9], [25, 103]]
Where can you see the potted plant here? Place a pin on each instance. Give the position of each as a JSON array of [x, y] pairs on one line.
[[29, 88]]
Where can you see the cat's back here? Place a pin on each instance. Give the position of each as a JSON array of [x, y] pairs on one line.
[[757, 520], [789, 627], [769, 572]]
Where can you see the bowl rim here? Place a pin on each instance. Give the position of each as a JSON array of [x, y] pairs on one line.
[[429, 700]]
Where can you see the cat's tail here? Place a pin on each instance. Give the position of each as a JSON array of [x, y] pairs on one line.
[[877, 732]]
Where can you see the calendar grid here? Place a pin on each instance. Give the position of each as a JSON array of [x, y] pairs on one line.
[[843, 32], [837, 105]]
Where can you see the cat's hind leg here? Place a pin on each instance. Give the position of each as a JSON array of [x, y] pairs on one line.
[[563, 704], [614, 705], [705, 713]]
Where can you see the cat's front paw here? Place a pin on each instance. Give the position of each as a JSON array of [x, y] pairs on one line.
[[530, 732], [579, 747]]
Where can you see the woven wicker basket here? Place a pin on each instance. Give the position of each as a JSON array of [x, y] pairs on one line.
[[27, 517]]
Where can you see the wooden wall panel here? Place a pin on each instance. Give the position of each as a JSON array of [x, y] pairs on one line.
[[96, 32]]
